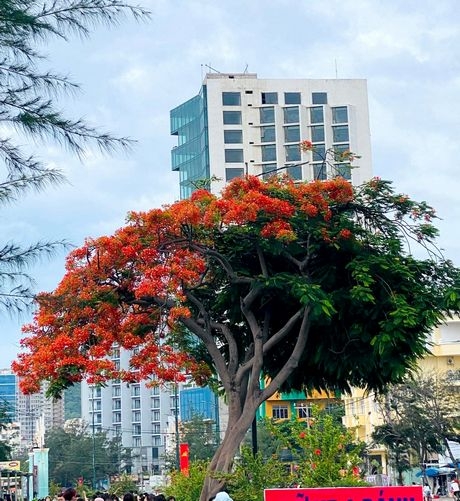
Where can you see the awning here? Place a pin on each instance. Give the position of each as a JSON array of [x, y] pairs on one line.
[[434, 472], [429, 472]]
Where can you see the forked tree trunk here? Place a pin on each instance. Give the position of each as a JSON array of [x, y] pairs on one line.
[[238, 424]]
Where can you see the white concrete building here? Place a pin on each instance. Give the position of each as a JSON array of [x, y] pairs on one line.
[[239, 124], [138, 415]]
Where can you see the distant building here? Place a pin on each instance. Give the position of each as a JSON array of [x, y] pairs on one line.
[[8, 393], [297, 405], [241, 124], [136, 414], [32, 415], [37, 414]]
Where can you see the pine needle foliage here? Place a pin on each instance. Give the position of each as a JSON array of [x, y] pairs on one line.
[[29, 98]]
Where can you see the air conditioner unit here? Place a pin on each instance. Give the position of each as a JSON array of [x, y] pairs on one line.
[[450, 361]]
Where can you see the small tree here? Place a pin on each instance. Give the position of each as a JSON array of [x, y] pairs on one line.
[[254, 473], [308, 285], [123, 484], [419, 417], [188, 487], [322, 451], [76, 453], [200, 436]]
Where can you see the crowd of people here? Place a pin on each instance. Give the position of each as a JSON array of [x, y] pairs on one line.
[[71, 494], [453, 490]]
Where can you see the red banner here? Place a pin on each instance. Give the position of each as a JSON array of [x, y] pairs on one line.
[[184, 458], [410, 493]]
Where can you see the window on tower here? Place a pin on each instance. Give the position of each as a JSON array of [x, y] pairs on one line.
[[340, 115], [319, 171], [291, 115], [267, 134], [292, 134], [340, 134], [317, 133], [319, 153], [319, 97], [292, 153], [295, 172], [233, 172], [269, 153], [292, 98], [269, 98], [233, 155], [317, 115], [269, 170], [267, 115], [232, 117], [233, 136], [231, 98]]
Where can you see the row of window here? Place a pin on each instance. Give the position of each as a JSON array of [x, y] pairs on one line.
[[136, 417], [292, 152], [135, 403], [135, 391], [320, 171], [156, 440], [340, 134], [302, 411], [290, 115], [234, 98]]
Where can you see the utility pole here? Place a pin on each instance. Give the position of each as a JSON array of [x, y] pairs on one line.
[[176, 423], [93, 437]]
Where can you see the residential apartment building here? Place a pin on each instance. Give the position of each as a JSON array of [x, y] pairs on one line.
[[31, 416], [138, 415], [37, 414], [240, 124]]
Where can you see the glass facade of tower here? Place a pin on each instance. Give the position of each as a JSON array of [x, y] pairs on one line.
[[191, 156], [8, 394]]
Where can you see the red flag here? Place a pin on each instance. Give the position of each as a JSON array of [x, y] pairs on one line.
[[184, 458]]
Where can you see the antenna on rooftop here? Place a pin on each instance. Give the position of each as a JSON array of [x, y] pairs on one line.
[[245, 69], [336, 71], [212, 69]]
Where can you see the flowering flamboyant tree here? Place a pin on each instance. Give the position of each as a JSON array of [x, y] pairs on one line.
[[309, 285]]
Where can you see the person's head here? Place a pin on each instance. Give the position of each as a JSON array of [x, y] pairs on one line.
[[129, 496], [70, 494], [171, 498], [222, 496]]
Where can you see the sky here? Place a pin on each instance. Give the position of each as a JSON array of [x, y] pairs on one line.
[[131, 75]]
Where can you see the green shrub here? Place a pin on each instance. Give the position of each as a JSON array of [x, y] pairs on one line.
[[188, 488]]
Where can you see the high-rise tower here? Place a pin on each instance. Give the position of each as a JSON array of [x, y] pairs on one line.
[[239, 124]]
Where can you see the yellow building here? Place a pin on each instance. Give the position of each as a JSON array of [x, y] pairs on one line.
[[295, 405], [362, 413]]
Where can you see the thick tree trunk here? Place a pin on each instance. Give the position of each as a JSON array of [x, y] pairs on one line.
[[238, 425]]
